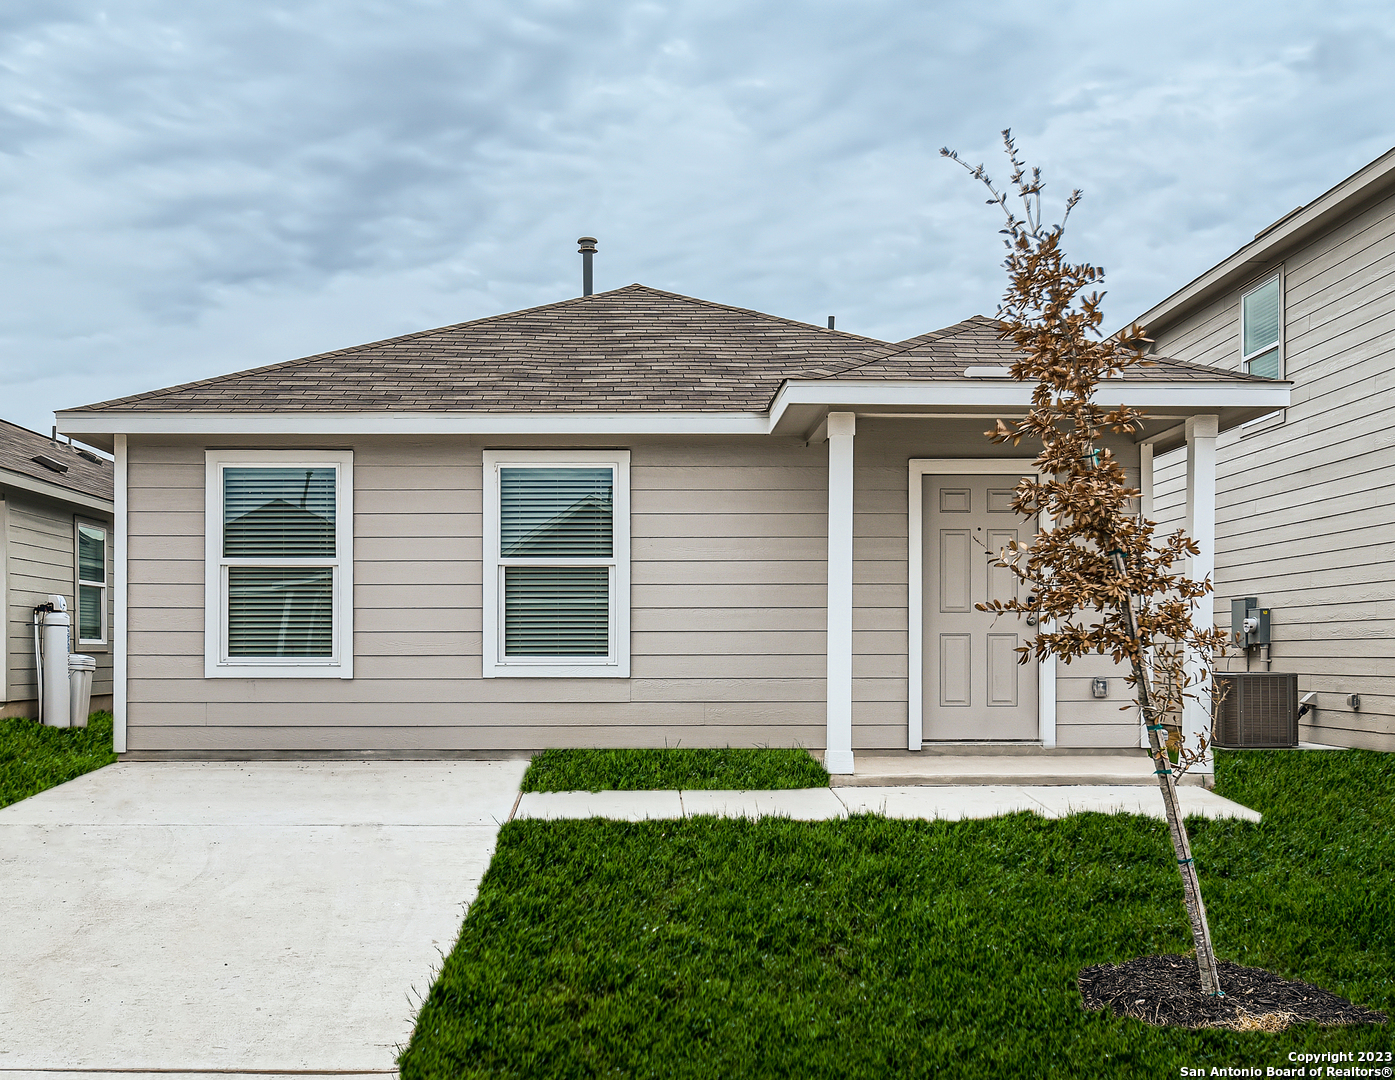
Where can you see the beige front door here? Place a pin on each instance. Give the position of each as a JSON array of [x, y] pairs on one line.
[[974, 687]]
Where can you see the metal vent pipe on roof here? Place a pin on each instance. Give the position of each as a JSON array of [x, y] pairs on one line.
[[830, 322], [587, 249]]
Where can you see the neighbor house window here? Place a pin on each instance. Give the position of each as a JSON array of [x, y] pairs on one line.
[[1260, 330], [279, 564], [556, 563], [91, 583]]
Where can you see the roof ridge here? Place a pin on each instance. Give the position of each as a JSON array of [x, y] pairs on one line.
[[942, 334], [762, 314]]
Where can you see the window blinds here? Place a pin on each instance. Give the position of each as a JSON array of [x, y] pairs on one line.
[[92, 576], [1262, 317], [555, 513], [280, 611], [556, 610], [278, 513], [271, 515]]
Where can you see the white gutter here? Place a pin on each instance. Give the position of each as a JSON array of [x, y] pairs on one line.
[[111, 422], [54, 491], [1190, 396]]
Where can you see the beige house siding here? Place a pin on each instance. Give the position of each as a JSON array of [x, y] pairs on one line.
[[38, 551], [880, 598], [728, 606], [1305, 506]]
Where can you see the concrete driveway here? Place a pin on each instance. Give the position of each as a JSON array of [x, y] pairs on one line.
[[239, 916]]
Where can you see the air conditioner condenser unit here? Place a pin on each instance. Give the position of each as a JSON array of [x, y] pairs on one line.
[[1255, 710]]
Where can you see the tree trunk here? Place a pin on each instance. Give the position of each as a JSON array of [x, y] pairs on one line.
[[1181, 845]]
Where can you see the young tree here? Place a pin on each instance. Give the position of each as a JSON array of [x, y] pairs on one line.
[[1097, 579]]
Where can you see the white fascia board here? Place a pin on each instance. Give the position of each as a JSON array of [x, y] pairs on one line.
[[1195, 397], [55, 491], [403, 423]]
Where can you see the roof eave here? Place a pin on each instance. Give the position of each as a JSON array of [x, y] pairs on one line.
[[798, 407], [34, 486]]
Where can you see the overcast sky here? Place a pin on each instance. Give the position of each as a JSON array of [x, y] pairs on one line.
[[190, 189]]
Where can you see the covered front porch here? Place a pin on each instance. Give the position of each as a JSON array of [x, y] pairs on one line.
[[893, 655]]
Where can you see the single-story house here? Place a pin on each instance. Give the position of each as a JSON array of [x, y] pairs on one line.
[[55, 539], [627, 519], [1305, 493]]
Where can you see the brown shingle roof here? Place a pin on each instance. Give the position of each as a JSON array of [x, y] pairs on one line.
[[944, 354], [633, 349], [630, 350], [20, 446]]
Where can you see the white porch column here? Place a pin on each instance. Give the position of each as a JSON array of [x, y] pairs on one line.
[[1145, 479], [1145, 507], [120, 551], [1201, 526], [841, 428]]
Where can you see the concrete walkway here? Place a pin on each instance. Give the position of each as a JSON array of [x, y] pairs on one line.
[[236, 916], [951, 803], [259, 917]]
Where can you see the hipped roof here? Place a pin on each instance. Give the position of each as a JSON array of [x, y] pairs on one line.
[[634, 349]]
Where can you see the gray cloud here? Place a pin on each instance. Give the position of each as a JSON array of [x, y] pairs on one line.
[[194, 189]]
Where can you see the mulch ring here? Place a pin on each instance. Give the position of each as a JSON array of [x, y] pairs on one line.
[[1165, 990]]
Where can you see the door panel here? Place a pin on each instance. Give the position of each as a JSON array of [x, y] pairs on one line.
[[956, 655], [1003, 669], [975, 689], [956, 560]]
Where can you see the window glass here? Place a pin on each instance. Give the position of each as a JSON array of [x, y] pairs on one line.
[[92, 577], [89, 613], [550, 513], [280, 611], [1260, 317], [92, 554], [1266, 364], [278, 513], [556, 610]]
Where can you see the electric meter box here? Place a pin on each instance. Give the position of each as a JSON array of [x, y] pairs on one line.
[[1249, 623]]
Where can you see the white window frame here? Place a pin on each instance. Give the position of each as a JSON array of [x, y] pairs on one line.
[[340, 663], [616, 665], [104, 640], [1245, 358]]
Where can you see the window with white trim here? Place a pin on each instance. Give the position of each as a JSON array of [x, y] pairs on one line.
[[279, 564], [90, 565], [556, 563], [1261, 330]]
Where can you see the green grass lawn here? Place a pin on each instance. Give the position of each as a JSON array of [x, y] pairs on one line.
[[877, 948], [34, 758], [677, 768]]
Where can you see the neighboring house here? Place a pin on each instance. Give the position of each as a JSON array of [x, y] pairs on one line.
[[55, 538], [628, 519], [1306, 495]]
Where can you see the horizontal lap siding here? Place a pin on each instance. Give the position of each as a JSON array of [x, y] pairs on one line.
[[884, 449], [728, 598], [727, 595], [39, 562], [1306, 507]]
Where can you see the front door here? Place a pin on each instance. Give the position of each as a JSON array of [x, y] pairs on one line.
[[974, 687]]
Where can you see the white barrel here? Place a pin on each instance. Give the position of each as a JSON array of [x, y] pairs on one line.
[[55, 705], [81, 669]]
